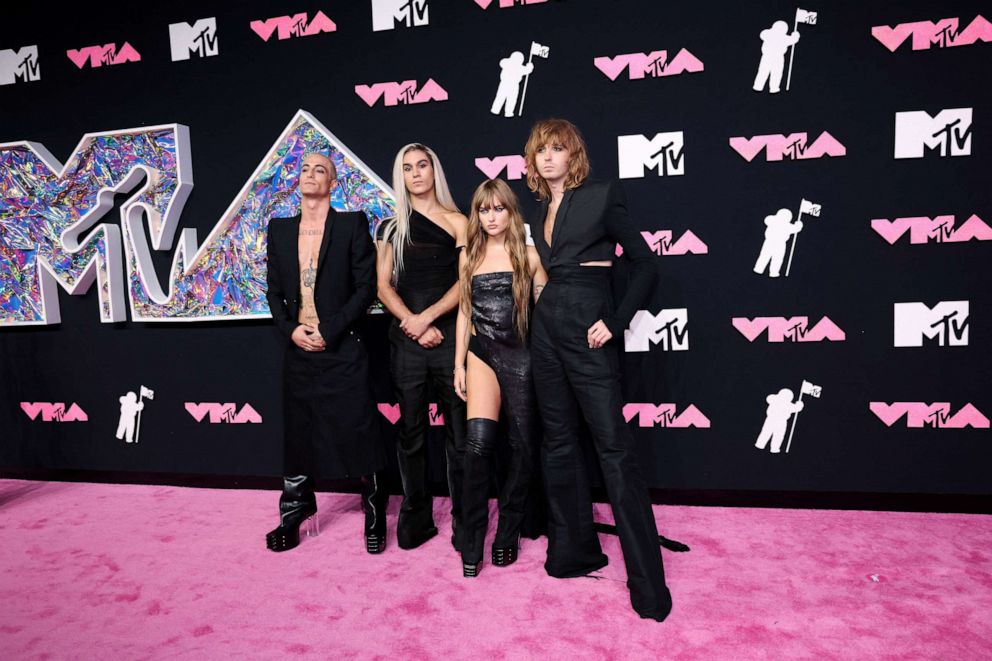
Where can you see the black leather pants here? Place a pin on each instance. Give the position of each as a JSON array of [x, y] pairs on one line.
[[574, 380], [413, 368]]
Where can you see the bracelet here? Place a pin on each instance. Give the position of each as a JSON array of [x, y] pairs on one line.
[[457, 367]]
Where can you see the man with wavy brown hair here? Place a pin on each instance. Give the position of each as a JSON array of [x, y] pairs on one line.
[[576, 334]]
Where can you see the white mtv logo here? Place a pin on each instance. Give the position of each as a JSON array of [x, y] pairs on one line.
[[387, 13], [669, 328], [199, 38], [19, 65], [662, 153], [946, 322], [949, 133]]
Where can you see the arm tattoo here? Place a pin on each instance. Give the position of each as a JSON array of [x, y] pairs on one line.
[[537, 292]]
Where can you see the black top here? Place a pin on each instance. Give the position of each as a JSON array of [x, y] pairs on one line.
[[492, 307], [589, 223], [430, 264]]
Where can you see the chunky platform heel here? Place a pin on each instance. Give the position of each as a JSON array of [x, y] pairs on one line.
[[503, 557]]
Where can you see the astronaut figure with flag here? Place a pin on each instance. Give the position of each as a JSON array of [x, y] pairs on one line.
[[775, 41], [513, 71]]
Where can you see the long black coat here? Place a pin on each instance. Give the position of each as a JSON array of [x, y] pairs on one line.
[[331, 423]]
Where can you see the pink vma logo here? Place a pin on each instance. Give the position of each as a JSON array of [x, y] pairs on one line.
[[401, 93], [505, 4], [515, 166], [218, 413], [943, 34], [661, 243], [664, 415], [391, 412], [648, 65], [937, 415], [296, 25], [54, 412], [792, 329], [98, 56], [792, 147], [939, 229]]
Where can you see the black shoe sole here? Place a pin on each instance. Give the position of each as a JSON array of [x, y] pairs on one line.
[[375, 544]]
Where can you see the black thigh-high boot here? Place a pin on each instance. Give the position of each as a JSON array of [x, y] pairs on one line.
[[479, 444], [374, 501], [296, 504], [513, 495]]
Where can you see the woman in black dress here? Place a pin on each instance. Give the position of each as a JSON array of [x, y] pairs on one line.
[[492, 367], [417, 277]]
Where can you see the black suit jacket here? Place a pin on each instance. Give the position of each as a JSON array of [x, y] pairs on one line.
[[345, 285], [590, 221]]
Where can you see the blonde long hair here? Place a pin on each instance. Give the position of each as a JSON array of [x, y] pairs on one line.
[[397, 231], [516, 246]]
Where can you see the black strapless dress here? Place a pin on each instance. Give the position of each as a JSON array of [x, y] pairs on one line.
[[497, 344]]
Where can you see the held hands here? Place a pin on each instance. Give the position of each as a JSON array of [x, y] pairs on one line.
[[459, 383], [307, 337], [415, 325], [430, 338], [598, 335]]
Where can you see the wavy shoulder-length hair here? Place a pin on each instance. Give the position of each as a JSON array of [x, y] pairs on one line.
[[487, 195], [397, 230], [556, 132]]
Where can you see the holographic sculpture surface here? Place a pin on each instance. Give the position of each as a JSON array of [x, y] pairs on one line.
[[45, 208]]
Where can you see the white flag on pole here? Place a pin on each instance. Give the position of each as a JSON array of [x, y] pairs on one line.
[[810, 208], [147, 393], [539, 50], [807, 17], [811, 389]]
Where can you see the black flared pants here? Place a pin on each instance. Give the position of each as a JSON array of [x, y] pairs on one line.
[[572, 380]]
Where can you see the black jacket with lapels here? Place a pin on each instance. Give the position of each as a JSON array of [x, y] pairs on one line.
[[345, 285], [590, 221]]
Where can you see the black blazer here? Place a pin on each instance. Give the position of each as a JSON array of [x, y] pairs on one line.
[[345, 285], [589, 223]]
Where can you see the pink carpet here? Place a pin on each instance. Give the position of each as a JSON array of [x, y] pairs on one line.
[[138, 572]]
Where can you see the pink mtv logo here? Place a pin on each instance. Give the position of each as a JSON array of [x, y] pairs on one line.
[[296, 25], [648, 65], [939, 229], [98, 56], [661, 243], [664, 415], [54, 412], [937, 415], [793, 329], [401, 93], [515, 166], [504, 4], [944, 33], [217, 413], [392, 413], [792, 147]]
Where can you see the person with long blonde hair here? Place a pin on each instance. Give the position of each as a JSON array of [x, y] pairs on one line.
[[417, 277], [576, 336], [498, 274]]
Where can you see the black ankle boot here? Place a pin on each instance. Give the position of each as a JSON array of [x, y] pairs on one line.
[[374, 501], [296, 505]]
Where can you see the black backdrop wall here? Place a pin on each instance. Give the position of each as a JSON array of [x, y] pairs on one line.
[[844, 81]]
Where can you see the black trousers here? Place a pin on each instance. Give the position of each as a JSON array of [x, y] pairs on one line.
[[413, 368], [574, 380]]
